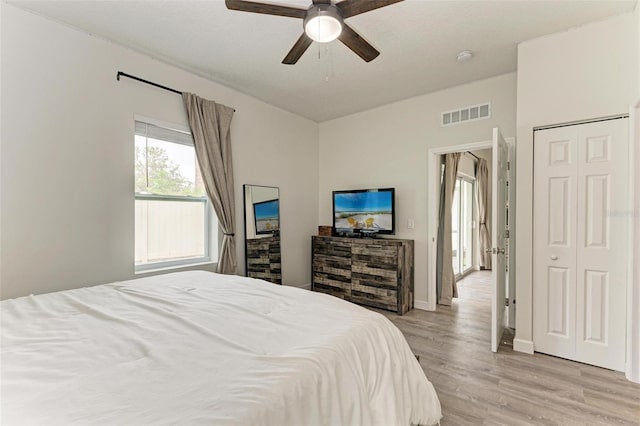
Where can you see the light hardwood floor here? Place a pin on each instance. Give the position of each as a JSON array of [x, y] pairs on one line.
[[476, 386]]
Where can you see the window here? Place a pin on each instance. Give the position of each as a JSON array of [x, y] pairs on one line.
[[462, 226], [174, 224]]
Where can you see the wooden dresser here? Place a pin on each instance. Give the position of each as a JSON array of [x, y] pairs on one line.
[[371, 272], [263, 259]]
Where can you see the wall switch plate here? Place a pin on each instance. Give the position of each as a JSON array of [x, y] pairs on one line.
[[410, 223]]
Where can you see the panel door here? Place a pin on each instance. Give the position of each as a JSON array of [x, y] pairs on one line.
[[554, 240], [498, 237], [602, 241], [581, 242]]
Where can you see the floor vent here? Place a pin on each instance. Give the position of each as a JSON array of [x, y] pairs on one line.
[[462, 115]]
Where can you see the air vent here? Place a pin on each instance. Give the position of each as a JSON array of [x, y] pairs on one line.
[[462, 115]]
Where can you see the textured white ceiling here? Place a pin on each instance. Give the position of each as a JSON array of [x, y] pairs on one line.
[[418, 41]]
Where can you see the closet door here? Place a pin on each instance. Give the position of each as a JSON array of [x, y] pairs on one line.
[[581, 242], [603, 195], [554, 235]]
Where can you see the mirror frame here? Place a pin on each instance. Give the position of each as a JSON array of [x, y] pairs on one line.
[[244, 214]]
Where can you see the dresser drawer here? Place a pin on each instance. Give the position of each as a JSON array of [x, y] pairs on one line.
[[375, 278], [332, 284], [388, 251], [377, 297], [334, 265], [331, 248]]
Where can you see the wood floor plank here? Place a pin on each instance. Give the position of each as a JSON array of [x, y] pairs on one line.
[[478, 387]]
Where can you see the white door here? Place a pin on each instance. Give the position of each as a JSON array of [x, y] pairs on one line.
[[554, 231], [498, 230], [580, 242]]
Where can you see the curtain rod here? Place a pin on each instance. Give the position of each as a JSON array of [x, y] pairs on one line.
[[142, 80], [133, 77], [471, 153], [574, 123]]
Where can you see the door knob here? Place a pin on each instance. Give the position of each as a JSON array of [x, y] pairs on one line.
[[554, 257]]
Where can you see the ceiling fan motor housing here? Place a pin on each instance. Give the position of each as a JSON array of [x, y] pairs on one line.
[[329, 18]]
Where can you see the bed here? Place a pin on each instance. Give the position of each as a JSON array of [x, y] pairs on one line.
[[202, 348]]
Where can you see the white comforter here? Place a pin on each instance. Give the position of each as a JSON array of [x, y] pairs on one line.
[[201, 348]]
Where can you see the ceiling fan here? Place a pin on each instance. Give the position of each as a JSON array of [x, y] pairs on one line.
[[323, 22]]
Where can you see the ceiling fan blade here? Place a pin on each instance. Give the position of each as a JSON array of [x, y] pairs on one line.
[[297, 50], [321, 1], [351, 8], [355, 42], [267, 9]]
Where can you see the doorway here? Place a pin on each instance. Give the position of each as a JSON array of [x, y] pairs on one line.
[[502, 283]]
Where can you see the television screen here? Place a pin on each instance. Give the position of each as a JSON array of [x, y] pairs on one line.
[[370, 210], [266, 215]]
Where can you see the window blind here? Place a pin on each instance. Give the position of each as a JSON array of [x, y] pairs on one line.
[[170, 135]]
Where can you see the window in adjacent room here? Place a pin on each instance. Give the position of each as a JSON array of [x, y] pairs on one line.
[[462, 225], [174, 224]]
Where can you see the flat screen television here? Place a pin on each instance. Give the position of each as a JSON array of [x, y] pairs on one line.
[[267, 216], [364, 211]]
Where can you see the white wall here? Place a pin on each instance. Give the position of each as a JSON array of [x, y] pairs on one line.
[[582, 73], [637, 27], [67, 207], [633, 324], [388, 147], [633, 348]]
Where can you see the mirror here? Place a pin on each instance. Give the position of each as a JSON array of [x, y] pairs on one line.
[[262, 233]]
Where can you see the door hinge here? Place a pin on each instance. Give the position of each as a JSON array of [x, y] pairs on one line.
[[508, 165], [506, 301]]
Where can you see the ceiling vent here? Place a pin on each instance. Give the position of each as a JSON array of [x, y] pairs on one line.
[[462, 115]]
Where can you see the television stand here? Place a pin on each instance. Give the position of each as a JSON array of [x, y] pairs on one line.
[[372, 272]]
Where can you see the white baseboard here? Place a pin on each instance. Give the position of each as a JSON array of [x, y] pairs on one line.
[[423, 305], [525, 346]]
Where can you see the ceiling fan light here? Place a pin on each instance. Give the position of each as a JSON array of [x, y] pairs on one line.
[[323, 23], [323, 29]]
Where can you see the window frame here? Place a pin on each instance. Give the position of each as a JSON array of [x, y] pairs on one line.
[[209, 226], [464, 178]]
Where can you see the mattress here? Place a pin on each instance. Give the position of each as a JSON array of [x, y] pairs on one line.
[[202, 348]]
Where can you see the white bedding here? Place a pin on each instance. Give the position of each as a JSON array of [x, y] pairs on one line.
[[195, 348]]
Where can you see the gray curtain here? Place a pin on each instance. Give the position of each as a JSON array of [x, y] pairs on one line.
[[482, 188], [445, 278], [210, 125]]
